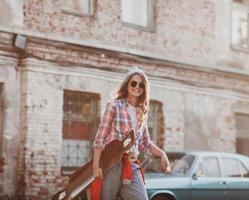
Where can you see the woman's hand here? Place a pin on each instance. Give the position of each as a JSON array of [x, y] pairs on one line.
[[155, 150], [165, 163], [97, 172]]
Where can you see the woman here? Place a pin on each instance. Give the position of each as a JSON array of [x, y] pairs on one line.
[[128, 111]]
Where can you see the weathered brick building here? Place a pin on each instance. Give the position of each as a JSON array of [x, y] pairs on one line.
[[60, 62]]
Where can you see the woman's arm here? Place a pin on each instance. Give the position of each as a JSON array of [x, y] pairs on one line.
[[97, 171], [155, 150], [104, 127], [147, 145], [99, 143]]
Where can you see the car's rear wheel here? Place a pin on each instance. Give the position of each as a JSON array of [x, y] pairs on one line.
[[163, 197]]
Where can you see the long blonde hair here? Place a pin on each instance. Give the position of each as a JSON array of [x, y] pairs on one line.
[[143, 101]]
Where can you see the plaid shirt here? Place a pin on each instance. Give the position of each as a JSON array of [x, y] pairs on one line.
[[116, 122]]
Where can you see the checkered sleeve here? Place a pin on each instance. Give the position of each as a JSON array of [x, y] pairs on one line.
[[145, 141], [104, 127]]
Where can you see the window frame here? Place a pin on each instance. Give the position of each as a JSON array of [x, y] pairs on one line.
[[150, 22], [199, 163], [70, 11], [157, 131], [94, 97], [241, 131], [204, 167], [239, 46], [223, 167], [241, 165]]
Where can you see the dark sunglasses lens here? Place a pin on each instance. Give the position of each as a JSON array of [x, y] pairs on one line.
[[141, 85], [133, 83]]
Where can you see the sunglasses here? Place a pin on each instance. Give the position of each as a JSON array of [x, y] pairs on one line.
[[135, 83]]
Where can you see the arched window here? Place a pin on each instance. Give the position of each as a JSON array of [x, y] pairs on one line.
[[242, 133], [156, 124]]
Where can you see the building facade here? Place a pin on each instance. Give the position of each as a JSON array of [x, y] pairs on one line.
[[60, 62]]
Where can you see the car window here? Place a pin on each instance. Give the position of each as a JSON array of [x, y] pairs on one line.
[[180, 163], [211, 167], [245, 172], [183, 165], [231, 167], [200, 171]]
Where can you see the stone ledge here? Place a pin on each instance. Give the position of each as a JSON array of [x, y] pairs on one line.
[[54, 38]]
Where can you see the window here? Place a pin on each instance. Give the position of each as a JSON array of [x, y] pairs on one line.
[[200, 171], [231, 167], [80, 120], [78, 7], [211, 166], [156, 123], [240, 16], [138, 13], [183, 164], [245, 172], [242, 133]]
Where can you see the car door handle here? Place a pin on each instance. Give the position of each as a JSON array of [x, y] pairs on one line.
[[223, 182]]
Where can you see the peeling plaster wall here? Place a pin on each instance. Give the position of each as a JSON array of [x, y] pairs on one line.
[[198, 118], [210, 123], [185, 30], [191, 32], [9, 76]]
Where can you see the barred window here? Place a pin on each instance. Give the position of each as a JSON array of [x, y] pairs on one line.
[[80, 119]]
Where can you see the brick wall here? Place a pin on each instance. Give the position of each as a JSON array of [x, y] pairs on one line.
[[43, 109], [9, 77], [184, 29]]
